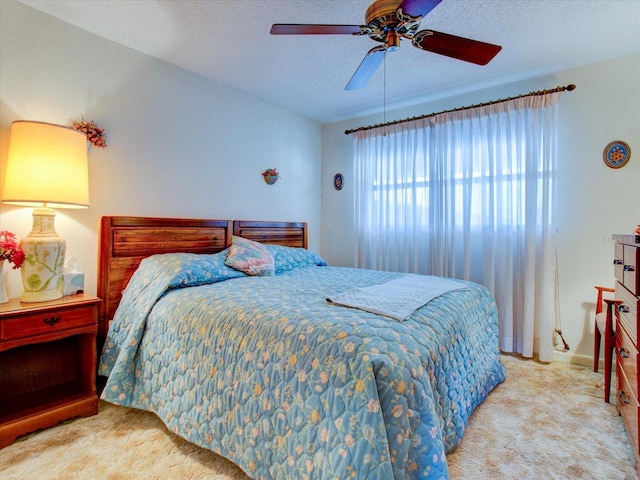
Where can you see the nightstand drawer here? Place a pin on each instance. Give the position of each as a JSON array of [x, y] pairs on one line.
[[44, 322]]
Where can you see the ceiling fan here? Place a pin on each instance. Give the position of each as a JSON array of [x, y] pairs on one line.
[[387, 22]]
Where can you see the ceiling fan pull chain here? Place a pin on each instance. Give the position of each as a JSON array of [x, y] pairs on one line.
[[384, 89]]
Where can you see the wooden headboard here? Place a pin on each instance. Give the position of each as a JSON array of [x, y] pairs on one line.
[[289, 234], [125, 241]]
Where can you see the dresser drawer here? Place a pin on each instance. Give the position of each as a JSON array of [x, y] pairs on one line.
[[628, 407], [630, 268], [618, 262], [628, 311], [627, 359], [40, 323]]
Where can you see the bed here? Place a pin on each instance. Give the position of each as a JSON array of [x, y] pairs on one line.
[[272, 371]]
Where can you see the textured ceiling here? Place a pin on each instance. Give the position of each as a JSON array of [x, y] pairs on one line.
[[229, 41]]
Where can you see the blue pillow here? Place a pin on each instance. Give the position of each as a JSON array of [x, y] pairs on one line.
[[196, 269], [289, 258]]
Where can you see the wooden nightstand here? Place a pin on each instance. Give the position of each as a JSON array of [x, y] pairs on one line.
[[47, 363]]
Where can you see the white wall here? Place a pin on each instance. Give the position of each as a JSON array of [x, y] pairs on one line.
[[181, 145], [594, 201], [178, 144]]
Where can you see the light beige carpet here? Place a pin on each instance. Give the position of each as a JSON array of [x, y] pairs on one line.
[[544, 422]]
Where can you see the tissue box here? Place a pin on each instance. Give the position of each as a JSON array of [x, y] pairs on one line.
[[73, 283]]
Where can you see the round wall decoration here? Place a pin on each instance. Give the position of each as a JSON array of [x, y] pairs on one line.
[[338, 181], [616, 154], [270, 176]]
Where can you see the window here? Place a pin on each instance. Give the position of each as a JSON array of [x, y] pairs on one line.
[[468, 194]]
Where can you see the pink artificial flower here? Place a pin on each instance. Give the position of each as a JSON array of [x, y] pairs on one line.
[[10, 249]]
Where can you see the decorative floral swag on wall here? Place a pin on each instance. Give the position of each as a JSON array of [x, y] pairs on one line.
[[94, 133]]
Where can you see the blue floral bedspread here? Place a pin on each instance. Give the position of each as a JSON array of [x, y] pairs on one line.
[[265, 372]]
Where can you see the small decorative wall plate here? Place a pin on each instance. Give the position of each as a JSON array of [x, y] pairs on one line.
[[616, 154], [338, 181], [270, 176]]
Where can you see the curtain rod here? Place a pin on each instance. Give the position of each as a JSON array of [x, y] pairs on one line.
[[568, 88]]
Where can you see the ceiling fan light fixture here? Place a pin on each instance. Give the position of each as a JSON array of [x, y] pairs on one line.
[[392, 41]]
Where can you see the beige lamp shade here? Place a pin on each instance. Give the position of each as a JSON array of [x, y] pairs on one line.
[[46, 165]]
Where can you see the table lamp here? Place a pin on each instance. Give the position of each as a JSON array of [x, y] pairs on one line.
[[46, 168]]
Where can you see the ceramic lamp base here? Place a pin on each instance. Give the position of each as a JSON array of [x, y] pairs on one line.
[[44, 259]]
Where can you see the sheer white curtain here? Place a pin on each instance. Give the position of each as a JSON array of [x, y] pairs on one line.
[[472, 195]]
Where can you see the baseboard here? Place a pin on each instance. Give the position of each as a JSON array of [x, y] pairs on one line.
[[575, 359]]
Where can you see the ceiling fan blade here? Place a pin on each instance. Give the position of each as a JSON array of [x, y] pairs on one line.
[[301, 29], [452, 46], [367, 68], [417, 8]]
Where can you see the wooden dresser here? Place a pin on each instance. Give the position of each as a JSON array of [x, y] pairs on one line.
[[627, 271]]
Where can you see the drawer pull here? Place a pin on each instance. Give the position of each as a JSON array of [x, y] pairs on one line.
[[629, 268], [617, 262], [624, 398], [623, 309], [623, 352], [51, 321]]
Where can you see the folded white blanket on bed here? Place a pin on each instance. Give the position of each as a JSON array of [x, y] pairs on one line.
[[397, 298]]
